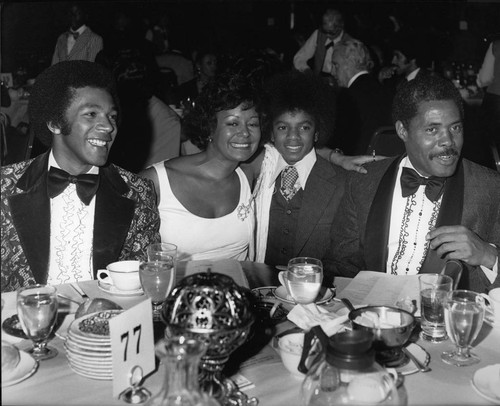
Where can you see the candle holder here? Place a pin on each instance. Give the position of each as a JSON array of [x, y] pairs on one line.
[[212, 308]]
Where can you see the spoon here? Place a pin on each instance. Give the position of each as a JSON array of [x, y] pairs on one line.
[[421, 367], [347, 303]]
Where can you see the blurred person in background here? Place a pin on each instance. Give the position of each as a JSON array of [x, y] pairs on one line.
[[363, 104], [489, 78], [79, 42], [318, 48]]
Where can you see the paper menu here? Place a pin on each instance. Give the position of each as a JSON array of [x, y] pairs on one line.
[[378, 288]]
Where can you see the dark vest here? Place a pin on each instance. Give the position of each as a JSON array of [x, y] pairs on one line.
[[283, 217], [320, 53]]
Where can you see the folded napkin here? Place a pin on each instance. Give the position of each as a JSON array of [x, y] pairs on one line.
[[310, 315]]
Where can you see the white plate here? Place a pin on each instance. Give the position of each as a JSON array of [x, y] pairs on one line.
[[105, 377], [486, 381], [106, 287], [325, 295], [26, 367], [74, 328], [422, 355]]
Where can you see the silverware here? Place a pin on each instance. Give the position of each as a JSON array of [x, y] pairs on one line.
[[421, 367], [69, 299], [79, 290], [347, 303]]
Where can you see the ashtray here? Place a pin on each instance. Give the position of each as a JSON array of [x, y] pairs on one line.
[[267, 308], [12, 326]]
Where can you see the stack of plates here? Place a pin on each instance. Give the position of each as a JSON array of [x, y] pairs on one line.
[[88, 345]]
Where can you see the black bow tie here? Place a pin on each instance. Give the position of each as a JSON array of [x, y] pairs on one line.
[[86, 184], [75, 34], [411, 181]]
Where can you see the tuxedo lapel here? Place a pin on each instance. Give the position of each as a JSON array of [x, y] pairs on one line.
[[319, 193], [450, 213], [113, 216], [30, 212], [379, 219]]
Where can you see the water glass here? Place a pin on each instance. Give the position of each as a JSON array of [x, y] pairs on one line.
[[434, 289], [160, 251], [157, 279], [302, 279], [37, 310], [464, 314]]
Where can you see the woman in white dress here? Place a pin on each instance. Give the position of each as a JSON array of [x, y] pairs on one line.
[[205, 200]]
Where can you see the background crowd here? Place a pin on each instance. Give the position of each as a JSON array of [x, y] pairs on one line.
[[163, 53]]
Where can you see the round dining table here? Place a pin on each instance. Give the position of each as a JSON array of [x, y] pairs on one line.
[[260, 372]]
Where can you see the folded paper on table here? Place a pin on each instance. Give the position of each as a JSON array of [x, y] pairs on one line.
[[378, 288], [229, 267], [310, 315]]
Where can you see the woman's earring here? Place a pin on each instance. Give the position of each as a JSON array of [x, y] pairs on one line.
[[210, 139]]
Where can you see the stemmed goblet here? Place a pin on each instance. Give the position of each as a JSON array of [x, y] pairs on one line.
[[37, 310], [303, 279], [159, 251], [157, 279], [464, 314]]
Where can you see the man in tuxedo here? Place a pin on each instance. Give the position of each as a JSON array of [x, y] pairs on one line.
[[68, 213], [80, 42], [363, 104], [412, 213]]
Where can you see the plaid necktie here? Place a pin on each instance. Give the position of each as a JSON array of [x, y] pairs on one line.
[[288, 178]]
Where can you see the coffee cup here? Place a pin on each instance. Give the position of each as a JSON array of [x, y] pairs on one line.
[[492, 313], [123, 275]]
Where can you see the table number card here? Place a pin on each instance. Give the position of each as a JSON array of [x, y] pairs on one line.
[[132, 343]]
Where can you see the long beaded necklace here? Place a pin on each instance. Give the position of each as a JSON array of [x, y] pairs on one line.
[[404, 235]]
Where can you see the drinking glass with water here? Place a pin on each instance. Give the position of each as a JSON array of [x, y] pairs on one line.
[[303, 279]]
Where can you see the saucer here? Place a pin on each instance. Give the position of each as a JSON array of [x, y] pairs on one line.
[[324, 296], [106, 287], [26, 367], [486, 382], [488, 319]]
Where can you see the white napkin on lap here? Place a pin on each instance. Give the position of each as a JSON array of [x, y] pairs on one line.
[[310, 315]]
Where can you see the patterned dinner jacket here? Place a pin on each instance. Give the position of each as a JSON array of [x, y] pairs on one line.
[[126, 220], [86, 47], [361, 227]]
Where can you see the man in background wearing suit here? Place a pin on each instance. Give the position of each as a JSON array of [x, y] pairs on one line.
[[80, 42], [412, 213], [68, 213], [363, 104]]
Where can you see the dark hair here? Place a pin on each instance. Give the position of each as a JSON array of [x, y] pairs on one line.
[[226, 92], [55, 88], [409, 95], [294, 91]]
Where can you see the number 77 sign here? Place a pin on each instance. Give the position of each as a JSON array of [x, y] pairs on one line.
[[132, 343]]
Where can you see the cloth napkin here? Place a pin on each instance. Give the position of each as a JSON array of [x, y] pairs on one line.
[[310, 315]]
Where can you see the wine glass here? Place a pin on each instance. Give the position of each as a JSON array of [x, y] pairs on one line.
[[157, 279], [159, 251], [37, 310], [463, 314]]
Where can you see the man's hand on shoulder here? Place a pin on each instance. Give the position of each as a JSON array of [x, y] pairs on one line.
[[458, 242]]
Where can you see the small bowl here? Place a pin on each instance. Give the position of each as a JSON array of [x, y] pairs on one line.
[[387, 341], [290, 349]]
